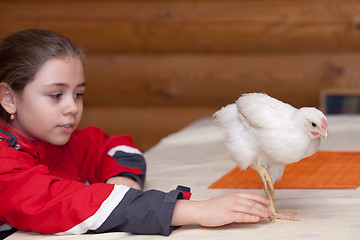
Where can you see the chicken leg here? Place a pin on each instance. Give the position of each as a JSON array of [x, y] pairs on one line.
[[269, 191]]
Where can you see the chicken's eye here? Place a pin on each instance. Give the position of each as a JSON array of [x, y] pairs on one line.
[[313, 124]]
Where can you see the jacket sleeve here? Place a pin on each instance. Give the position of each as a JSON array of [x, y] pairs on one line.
[[132, 158], [33, 200], [139, 212], [115, 156]]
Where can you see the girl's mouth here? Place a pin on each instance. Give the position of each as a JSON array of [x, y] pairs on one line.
[[67, 127]]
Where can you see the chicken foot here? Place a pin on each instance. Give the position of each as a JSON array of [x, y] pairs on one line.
[[269, 191]]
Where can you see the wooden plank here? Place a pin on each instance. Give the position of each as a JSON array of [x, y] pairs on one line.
[[147, 125], [185, 10], [213, 80], [193, 26]]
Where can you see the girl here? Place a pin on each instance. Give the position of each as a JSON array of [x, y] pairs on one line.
[[55, 179]]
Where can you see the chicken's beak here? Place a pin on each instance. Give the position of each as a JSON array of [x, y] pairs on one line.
[[325, 135]]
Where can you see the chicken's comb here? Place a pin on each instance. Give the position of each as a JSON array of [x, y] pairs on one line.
[[324, 124]]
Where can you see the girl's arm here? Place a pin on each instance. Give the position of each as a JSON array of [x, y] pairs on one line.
[[222, 210], [124, 181], [114, 159]]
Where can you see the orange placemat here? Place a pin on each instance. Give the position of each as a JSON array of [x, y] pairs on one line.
[[325, 169]]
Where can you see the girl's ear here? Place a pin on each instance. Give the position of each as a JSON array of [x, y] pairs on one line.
[[7, 98]]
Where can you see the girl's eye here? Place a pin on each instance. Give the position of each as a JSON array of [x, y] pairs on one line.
[[55, 95], [78, 95]]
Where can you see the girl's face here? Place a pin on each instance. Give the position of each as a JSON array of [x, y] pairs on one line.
[[51, 105]]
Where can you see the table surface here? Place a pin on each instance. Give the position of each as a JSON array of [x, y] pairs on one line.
[[196, 157]]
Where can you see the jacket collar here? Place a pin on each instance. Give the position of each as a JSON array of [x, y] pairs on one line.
[[19, 141], [13, 141]]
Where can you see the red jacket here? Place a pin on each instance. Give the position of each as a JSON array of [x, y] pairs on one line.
[[60, 189]]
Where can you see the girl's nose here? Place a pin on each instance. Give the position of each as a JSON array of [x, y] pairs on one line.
[[71, 106]]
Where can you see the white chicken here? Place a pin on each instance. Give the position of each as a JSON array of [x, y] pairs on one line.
[[266, 134]]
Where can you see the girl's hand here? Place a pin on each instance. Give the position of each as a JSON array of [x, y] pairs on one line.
[[124, 181], [222, 210]]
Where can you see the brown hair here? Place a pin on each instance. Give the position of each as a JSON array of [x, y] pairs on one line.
[[23, 53]]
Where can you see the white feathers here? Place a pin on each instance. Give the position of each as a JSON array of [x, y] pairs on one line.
[[262, 130], [257, 108]]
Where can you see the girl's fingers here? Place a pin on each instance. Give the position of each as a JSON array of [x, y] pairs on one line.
[[254, 197], [251, 207], [241, 218]]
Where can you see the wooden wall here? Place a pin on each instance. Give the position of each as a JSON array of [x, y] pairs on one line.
[[155, 66]]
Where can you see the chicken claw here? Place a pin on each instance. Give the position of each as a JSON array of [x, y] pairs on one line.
[[265, 179], [283, 216], [269, 191]]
